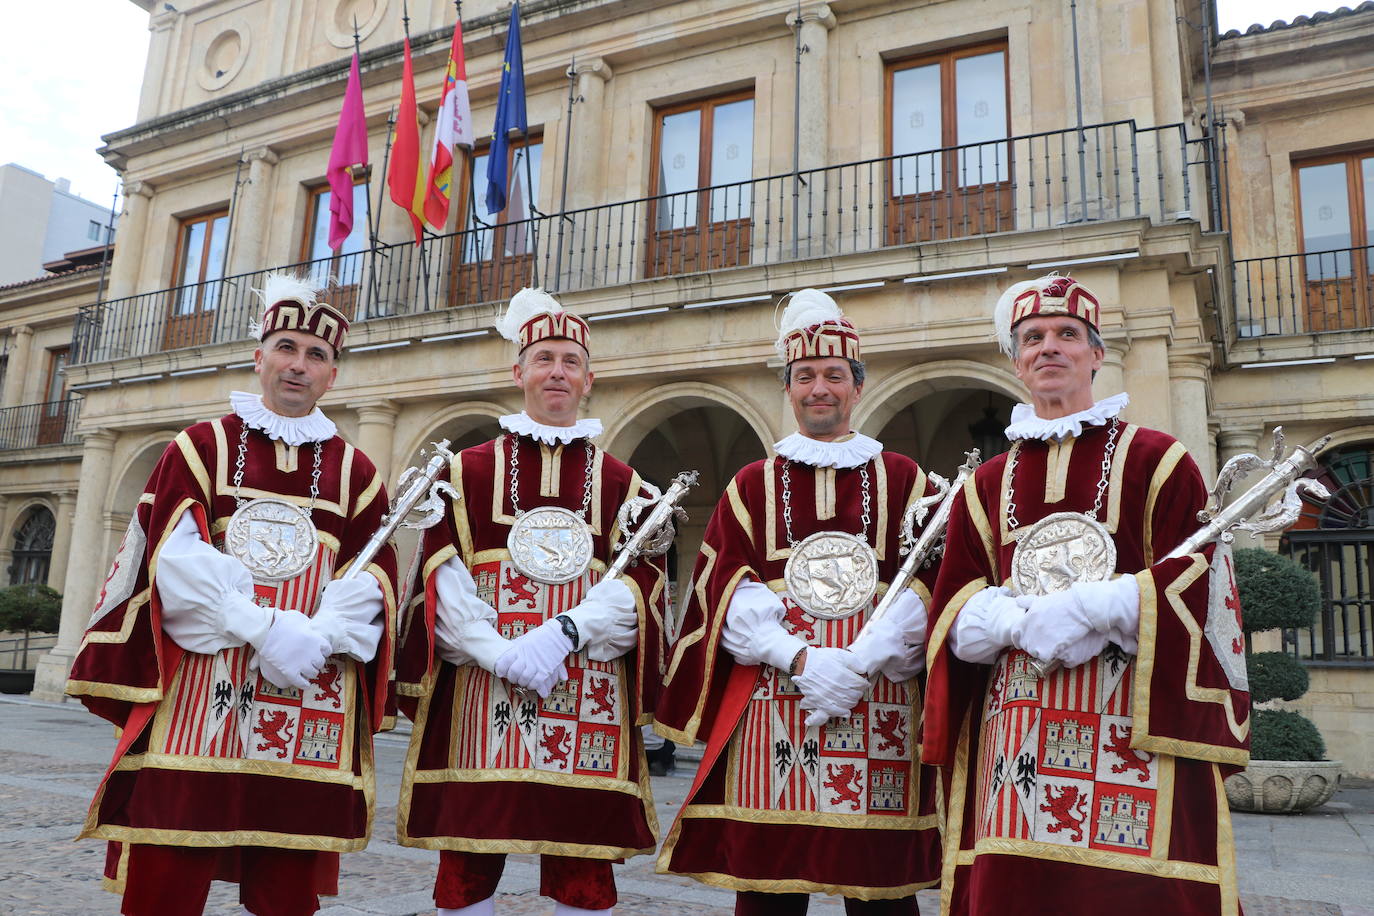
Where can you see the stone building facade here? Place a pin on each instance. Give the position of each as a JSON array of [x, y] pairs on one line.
[[688, 164]]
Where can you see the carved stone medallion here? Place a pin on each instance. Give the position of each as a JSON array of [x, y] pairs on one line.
[[550, 545], [272, 538], [832, 575], [1059, 550]]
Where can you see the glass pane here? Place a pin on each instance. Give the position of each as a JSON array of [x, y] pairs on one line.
[[1367, 174], [732, 159], [1325, 220], [214, 263], [679, 169], [518, 238], [916, 119], [192, 254], [57, 380], [319, 227], [980, 90], [477, 241]]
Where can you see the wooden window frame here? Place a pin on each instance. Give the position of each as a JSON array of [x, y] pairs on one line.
[[313, 193], [498, 276], [1324, 306], [184, 225]]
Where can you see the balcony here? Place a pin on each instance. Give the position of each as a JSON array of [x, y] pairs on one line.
[[1315, 292], [1034, 181], [34, 425]]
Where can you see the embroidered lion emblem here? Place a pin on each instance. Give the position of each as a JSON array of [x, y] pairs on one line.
[[796, 620], [557, 740], [519, 589], [1131, 759], [891, 731], [1062, 808], [330, 685], [275, 728], [602, 696], [845, 784]]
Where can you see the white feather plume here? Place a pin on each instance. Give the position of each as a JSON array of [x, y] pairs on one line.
[[524, 305], [805, 308], [1001, 314], [277, 287]]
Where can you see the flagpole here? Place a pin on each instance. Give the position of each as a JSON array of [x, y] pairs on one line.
[[233, 210], [563, 194], [796, 134], [420, 244], [532, 209], [367, 201], [381, 187], [472, 202]]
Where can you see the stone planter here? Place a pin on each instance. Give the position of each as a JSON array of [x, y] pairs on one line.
[[1283, 786]]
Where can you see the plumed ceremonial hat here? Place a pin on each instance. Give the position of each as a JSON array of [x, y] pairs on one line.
[[291, 303], [1049, 295], [534, 315], [813, 326]]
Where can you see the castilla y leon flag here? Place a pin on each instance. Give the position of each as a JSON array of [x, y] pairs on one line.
[[350, 149], [453, 127], [406, 179]]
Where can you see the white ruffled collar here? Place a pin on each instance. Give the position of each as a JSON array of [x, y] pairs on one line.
[[851, 452], [523, 425], [1026, 425], [313, 427]]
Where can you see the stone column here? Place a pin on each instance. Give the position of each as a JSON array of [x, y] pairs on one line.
[[1111, 378], [1188, 377], [6, 542], [83, 578], [1238, 440], [817, 20], [62, 540], [129, 237], [154, 71], [17, 370], [588, 145], [376, 437], [252, 213]]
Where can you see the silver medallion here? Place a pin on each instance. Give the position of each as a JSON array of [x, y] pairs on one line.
[[272, 538], [550, 545], [832, 575], [1059, 550]]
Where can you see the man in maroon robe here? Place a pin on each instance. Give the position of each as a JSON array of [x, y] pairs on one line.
[[1086, 693], [246, 691], [812, 780]]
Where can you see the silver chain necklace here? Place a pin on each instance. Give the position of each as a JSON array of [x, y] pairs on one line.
[[550, 544], [1108, 452], [515, 477], [242, 460], [865, 516], [831, 574]]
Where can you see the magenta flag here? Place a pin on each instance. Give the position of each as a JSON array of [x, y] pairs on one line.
[[350, 148]]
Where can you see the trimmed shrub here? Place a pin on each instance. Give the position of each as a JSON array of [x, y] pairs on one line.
[[1275, 591], [1276, 676], [1280, 734], [26, 608]]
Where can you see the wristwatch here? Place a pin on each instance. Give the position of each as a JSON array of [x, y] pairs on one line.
[[569, 629]]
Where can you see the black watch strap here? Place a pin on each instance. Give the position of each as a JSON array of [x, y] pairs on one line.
[[569, 629]]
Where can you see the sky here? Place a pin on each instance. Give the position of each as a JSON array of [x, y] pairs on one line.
[[72, 71]]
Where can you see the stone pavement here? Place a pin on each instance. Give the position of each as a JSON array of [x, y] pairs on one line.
[[52, 757]]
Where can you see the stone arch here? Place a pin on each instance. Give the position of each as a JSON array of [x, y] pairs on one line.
[[454, 421], [882, 401], [1341, 438], [30, 543], [19, 512], [645, 412], [141, 455]]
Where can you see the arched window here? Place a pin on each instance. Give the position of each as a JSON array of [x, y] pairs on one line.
[[33, 547], [1335, 539]]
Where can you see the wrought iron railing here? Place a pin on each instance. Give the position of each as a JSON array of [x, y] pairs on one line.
[[1034, 181], [31, 425], [22, 652], [1308, 293], [1343, 560]]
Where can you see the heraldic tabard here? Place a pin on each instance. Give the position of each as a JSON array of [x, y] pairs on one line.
[[265, 766], [778, 806], [1109, 774], [496, 769]]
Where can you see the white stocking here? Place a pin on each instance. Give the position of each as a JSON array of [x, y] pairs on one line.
[[562, 909], [480, 908]]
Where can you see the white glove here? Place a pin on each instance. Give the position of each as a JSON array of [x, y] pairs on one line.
[[607, 620], [206, 596], [1056, 622], [350, 616], [1084, 651], [753, 631], [292, 652], [464, 625], [832, 683], [989, 622], [537, 660], [895, 644]]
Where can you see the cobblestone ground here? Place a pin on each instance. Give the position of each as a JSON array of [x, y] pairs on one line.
[[52, 757]]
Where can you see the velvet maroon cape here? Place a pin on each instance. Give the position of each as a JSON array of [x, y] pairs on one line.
[[706, 693], [1183, 704], [440, 807], [126, 662]]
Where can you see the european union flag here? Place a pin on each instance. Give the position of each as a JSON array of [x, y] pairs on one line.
[[510, 113]]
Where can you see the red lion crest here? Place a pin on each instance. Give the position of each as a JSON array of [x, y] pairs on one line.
[[1120, 745], [798, 622], [845, 784], [557, 740], [891, 731], [1062, 808], [602, 695], [330, 684], [519, 588], [275, 727]]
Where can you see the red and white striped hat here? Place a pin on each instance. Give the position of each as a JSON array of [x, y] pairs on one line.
[[1048, 295], [534, 315], [291, 303], [813, 326]]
